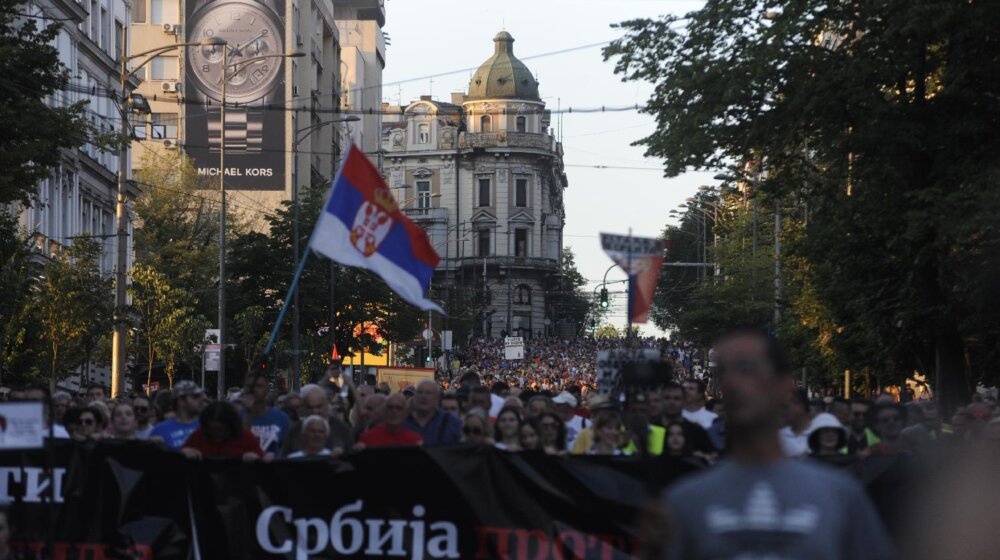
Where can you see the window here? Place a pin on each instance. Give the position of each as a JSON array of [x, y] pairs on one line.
[[484, 192], [423, 194], [105, 30], [522, 294], [163, 68], [139, 11], [164, 125], [95, 21], [522, 124], [520, 242], [119, 32], [164, 11], [424, 134], [521, 193], [484, 243], [139, 126], [485, 124]]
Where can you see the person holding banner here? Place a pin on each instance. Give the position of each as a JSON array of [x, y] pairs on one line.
[[391, 431], [434, 426], [221, 434]]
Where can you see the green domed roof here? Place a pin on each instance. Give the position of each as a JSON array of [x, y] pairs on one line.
[[503, 76]]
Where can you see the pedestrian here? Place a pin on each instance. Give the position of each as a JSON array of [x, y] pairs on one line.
[[530, 435], [553, 434], [189, 400], [143, 412], [81, 424], [759, 503], [450, 404], [507, 430], [564, 406], [390, 431], [694, 404], [314, 402], [369, 414], [859, 434], [795, 433], [435, 426], [607, 435], [889, 419], [269, 424], [221, 434], [123, 423], [476, 428], [315, 431]]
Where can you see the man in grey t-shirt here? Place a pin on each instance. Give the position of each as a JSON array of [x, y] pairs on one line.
[[759, 504]]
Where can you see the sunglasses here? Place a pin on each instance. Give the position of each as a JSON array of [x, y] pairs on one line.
[[472, 431]]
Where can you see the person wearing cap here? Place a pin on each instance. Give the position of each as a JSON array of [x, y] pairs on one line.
[[189, 400], [598, 405], [564, 406]]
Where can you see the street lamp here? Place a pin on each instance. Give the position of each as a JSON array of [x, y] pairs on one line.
[[224, 79], [296, 317], [121, 259]]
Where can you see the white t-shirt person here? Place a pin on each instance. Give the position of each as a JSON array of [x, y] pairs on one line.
[[703, 417]]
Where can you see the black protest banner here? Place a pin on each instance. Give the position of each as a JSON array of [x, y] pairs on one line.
[[136, 500]]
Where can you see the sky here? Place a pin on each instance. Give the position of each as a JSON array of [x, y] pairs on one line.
[[431, 37]]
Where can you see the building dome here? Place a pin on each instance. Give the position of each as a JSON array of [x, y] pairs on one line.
[[503, 76]]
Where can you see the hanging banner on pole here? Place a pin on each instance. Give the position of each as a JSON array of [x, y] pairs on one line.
[[641, 258]]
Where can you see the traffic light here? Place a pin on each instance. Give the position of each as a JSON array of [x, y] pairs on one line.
[[604, 298]]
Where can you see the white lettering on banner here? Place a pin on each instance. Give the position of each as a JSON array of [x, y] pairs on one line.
[[238, 171], [384, 537], [37, 488]]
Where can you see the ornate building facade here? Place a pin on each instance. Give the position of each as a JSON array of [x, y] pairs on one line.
[[483, 175]]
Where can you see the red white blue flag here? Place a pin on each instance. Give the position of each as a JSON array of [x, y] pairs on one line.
[[640, 258], [361, 225]]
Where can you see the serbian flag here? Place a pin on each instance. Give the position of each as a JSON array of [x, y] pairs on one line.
[[640, 258], [362, 226]]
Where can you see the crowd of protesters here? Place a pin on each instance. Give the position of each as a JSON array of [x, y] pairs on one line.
[[548, 403]]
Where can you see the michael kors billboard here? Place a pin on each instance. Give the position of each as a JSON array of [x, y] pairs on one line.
[[252, 127]]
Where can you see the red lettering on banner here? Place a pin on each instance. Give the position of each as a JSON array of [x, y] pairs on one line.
[[501, 543], [565, 541], [523, 538]]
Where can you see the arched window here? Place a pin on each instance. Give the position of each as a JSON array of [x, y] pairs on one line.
[[485, 124], [522, 294], [423, 134]]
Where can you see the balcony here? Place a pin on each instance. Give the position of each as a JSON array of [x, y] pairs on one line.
[[425, 214], [511, 262], [508, 140]]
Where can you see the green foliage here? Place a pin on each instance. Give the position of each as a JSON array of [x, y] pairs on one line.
[[573, 301], [166, 321], [17, 354], [73, 307], [606, 330], [879, 120], [34, 132]]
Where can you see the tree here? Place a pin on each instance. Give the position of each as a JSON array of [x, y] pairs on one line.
[[72, 306], [572, 300], [16, 275], [177, 232], [882, 118], [606, 330], [167, 323], [36, 121]]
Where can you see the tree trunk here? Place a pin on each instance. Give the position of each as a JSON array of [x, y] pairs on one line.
[[949, 367], [55, 362], [149, 371]]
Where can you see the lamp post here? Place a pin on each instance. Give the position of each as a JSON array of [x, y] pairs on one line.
[[296, 317], [226, 76], [121, 214]]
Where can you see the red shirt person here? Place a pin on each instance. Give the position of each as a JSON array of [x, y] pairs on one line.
[[391, 432], [221, 434]]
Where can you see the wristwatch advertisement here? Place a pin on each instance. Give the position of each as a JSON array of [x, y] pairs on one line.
[[252, 127]]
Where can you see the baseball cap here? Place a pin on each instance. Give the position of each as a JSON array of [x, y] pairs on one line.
[[564, 398], [182, 388], [409, 390]]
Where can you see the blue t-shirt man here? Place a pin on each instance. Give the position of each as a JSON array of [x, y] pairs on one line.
[[271, 428], [173, 432]]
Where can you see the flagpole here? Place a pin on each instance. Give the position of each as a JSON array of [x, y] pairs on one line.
[[302, 265], [630, 284]]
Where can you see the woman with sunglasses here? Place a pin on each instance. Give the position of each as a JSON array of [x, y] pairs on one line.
[[553, 434], [81, 423], [507, 430], [123, 423], [476, 429]]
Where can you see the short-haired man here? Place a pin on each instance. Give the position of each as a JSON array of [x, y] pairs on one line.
[[142, 409], [673, 398], [760, 503], [564, 406], [95, 392], [189, 399], [369, 413], [391, 431], [315, 402], [694, 406], [269, 424], [859, 436], [40, 393], [434, 426], [450, 404]]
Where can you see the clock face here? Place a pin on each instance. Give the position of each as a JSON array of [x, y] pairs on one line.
[[250, 33]]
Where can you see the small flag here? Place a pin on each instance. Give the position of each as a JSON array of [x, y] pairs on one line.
[[641, 258], [362, 226]]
